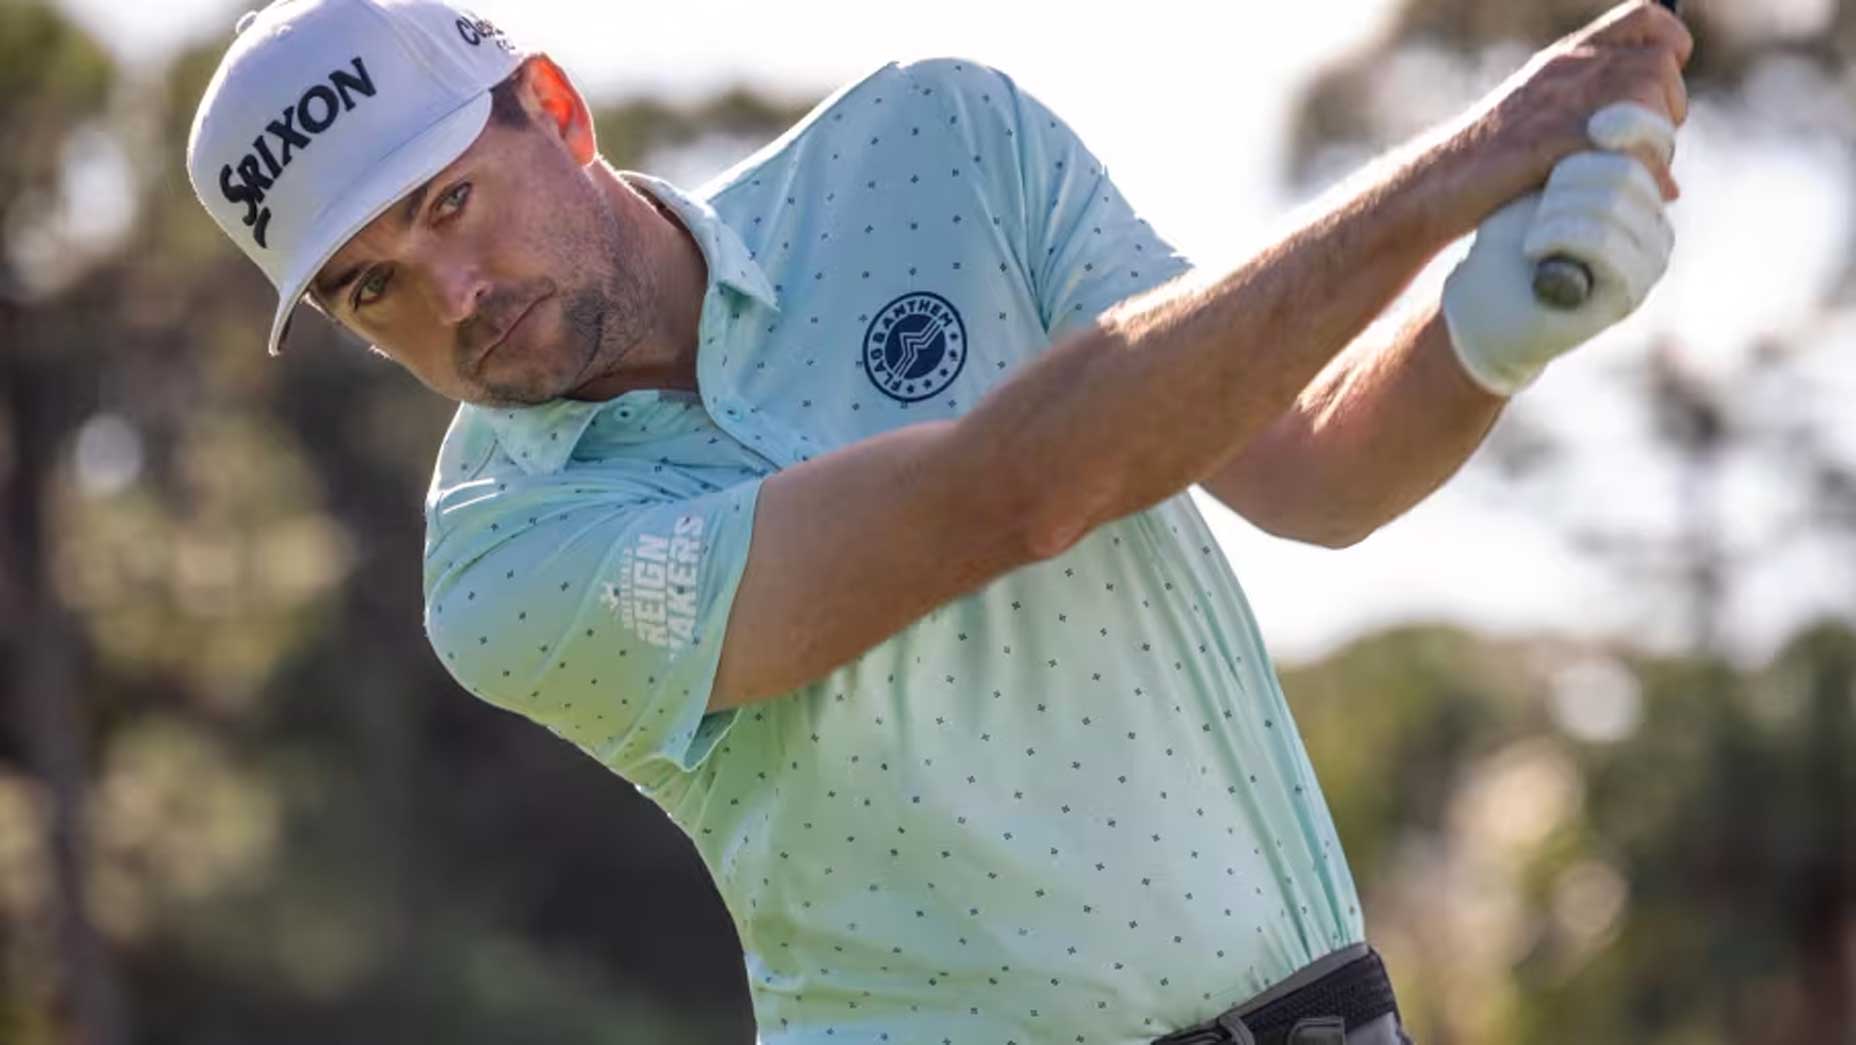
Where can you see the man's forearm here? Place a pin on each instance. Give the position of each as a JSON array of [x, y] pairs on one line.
[[1165, 389], [1375, 433]]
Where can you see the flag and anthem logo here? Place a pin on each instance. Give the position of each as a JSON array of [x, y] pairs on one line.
[[915, 347]]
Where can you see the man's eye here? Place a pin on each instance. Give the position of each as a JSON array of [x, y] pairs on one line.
[[453, 200], [371, 287]]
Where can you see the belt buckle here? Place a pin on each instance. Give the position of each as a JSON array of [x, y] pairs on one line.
[[1231, 1024], [1318, 1030]]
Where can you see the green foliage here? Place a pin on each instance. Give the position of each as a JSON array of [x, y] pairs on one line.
[[1725, 814], [52, 76], [294, 827], [1698, 888], [1381, 716], [236, 764]]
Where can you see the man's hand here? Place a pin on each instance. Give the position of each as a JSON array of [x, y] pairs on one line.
[[1600, 207], [1509, 143]]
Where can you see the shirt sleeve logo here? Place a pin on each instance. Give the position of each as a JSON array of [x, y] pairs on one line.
[[654, 593], [915, 347]]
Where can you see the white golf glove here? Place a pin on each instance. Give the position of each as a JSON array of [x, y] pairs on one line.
[[1603, 208]]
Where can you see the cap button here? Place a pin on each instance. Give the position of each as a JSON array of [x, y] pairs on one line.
[[244, 22]]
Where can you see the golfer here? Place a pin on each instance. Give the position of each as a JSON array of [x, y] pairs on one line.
[[840, 504]]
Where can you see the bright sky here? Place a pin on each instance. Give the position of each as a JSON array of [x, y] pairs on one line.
[[1187, 103]]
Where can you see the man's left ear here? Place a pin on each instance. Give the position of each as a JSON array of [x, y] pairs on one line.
[[562, 107]]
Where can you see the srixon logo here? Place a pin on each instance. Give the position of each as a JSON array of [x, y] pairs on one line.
[[294, 130]]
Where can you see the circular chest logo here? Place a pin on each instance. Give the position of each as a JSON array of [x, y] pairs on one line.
[[915, 347]]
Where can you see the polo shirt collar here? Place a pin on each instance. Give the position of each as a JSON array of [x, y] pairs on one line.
[[730, 263], [540, 438]]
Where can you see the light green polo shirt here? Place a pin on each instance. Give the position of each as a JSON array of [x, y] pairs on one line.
[[1068, 807]]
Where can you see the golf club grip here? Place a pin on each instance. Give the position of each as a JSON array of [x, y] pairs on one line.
[[1563, 281]]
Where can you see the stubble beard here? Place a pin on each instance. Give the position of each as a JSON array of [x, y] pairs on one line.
[[603, 322]]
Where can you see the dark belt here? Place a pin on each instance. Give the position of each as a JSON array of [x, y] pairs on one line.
[[1321, 1010]]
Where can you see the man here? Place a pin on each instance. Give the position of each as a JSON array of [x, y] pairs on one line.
[[840, 506]]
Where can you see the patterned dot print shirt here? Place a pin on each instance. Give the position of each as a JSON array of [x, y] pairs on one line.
[[1069, 807]]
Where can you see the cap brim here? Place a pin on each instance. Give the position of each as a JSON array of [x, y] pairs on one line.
[[395, 175]]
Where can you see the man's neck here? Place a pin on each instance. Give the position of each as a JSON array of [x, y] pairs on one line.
[[666, 358]]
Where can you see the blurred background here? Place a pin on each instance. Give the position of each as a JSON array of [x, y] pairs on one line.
[[1584, 718]]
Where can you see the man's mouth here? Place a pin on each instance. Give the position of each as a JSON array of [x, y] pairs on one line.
[[484, 355]]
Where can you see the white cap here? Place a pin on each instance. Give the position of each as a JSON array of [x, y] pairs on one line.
[[324, 112]]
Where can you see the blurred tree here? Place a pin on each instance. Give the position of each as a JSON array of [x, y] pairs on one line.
[[1465, 46], [1729, 832], [287, 821], [53, 81], [1561, 844], [226, 749]]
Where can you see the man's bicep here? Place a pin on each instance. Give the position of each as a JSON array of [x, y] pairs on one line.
[[853, 546]]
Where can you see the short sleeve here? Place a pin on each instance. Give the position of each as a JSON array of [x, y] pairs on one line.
[[599, 619], [1080, 241]]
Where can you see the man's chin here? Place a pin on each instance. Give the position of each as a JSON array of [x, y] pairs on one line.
[[523, 388], [570, 366], [511, 397], [505, 395]]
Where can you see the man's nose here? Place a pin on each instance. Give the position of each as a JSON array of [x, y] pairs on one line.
[[459, 289]]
